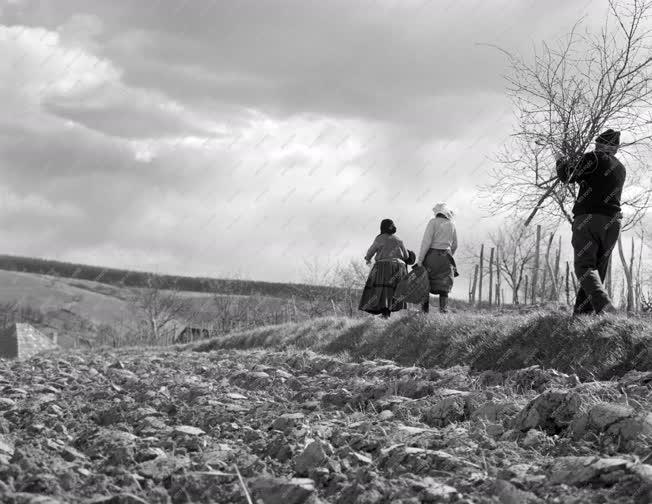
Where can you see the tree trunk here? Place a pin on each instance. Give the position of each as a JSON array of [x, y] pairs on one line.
[[470, 290], [515, 284], [475, 284], [525, 290], [623, 295], [480, 277], [628, 276], [567, 283], [535, 272], [630, 288], [639, 283], [557, 277], [154, 327]]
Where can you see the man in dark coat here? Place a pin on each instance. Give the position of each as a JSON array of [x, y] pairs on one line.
[[596, 218]]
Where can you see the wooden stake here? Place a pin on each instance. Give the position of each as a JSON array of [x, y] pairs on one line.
[[481, 274], [546, 268], [475, 283], [491, 277], [535, 272], [498, 294]]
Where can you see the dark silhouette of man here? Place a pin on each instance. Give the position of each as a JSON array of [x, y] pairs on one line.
[[597, 218]]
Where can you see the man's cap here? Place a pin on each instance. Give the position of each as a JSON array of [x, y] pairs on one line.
[[609, 137]]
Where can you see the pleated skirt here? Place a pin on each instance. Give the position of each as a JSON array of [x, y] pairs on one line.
[[378, 293]]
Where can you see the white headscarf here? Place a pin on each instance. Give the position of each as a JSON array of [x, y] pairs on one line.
[[443, 209]]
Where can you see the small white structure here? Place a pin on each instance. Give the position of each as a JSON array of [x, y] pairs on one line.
[[21, 341]]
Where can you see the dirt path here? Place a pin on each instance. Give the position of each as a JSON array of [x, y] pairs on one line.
[[166, 426]]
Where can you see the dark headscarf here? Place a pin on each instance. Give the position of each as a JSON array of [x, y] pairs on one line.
[[387, 227]]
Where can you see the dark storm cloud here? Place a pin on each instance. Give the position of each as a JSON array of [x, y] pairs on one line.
[[372, 60]]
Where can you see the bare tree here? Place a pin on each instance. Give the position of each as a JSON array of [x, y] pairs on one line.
[[314, 296], [158, 309], [351, 278], [564, 97], [224, 307], [517, 244], [8, 313], [107, 335]]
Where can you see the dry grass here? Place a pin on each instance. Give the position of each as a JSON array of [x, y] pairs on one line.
[[599, 348]]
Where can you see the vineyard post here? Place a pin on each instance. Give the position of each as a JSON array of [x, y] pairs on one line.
[[491, 276], [535, 272], [557, 278], [475, 284], [498, 290], [546, 268], [480, 276]]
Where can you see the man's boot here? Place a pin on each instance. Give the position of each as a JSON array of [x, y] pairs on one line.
[[443, 304], [608, 309], [425, 307]]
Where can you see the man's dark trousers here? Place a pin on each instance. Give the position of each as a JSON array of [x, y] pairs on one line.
[[594, 238]]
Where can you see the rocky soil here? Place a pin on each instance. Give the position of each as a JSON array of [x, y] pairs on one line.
[[169, 426]]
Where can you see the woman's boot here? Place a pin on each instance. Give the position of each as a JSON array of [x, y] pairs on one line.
[[386, 313], [443, 303]]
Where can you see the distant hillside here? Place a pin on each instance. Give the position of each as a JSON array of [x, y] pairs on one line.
[[128, 278], [76, 309]]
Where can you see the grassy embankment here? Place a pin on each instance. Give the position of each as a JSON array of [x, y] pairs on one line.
[[599, 348]]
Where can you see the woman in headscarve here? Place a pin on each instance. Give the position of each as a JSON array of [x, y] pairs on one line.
[[388, 270], [436, 255]]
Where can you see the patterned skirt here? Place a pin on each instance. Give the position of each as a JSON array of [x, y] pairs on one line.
[[440, 271], [378, 293]]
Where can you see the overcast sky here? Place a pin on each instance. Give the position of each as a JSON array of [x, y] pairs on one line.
[[241, 138]]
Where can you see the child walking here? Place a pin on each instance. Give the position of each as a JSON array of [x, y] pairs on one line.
[[389, 268]]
